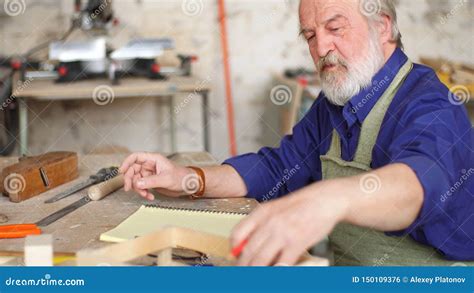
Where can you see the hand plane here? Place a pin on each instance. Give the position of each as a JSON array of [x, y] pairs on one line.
[[36, 174]]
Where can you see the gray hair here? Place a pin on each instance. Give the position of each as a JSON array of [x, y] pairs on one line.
[[375, 9]]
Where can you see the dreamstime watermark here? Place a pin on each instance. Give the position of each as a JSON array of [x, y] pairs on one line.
[[21, 86], [459, 95], [103, 186], [466, 174], [286, 177], [14, 7], [44, 281], [445, 18], [382, 260], [280, 95], [192, 7], [203, 261], [97, 11], [370, 183], [190, 183], [103, 95], [376, 87], [370, 7], [14, 183], [178, 108]]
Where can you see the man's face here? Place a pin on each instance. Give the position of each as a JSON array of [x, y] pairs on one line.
[[346, 52]]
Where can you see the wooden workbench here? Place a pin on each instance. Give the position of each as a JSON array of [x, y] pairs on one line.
[[82, 228], [130, 87], [49, 90]]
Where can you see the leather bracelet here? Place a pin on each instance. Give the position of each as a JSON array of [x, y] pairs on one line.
[[202, 182]]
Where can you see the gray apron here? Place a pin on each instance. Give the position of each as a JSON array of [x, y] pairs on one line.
[[359, 246]]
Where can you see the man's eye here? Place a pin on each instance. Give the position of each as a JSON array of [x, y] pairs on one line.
[[334, 30], [308, 38]]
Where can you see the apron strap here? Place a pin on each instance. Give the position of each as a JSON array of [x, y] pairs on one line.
[[372, 123], [335, 148]]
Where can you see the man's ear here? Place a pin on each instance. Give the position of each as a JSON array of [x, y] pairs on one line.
[[385, 29]]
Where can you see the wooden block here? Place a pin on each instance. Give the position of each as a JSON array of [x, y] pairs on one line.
[[162, 241], [165, 257], [173, 237], [39, 250], [313, 261], [7, 260], [34, 175]]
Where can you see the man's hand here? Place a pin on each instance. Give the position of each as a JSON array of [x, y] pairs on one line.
[[279, 232], [143, 171]]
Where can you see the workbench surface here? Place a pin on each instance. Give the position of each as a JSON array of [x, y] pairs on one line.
[[128, 87], [82, 228]]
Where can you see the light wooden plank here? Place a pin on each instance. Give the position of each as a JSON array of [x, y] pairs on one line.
[[128, 88]]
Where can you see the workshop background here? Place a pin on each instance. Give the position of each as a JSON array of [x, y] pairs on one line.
[[263, 43]]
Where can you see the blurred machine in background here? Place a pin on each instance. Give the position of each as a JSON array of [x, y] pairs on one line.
[[9, 113], [73, 60]]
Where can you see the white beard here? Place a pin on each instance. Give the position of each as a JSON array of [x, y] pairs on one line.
[[340, 89]]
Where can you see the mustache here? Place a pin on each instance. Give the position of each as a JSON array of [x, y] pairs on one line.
[[330, 59]]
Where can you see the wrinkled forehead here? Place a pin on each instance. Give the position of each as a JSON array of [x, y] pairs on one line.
[[318, 12]]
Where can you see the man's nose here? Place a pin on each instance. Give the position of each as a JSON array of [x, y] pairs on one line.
[[324, 46]]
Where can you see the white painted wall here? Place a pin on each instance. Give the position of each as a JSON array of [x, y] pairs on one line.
[[263, 41]]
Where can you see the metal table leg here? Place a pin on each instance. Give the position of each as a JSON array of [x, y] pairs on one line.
[[23, 126], [205, 120], [172, 124]]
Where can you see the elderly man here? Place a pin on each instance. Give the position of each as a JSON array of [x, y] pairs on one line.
[[382, 163]]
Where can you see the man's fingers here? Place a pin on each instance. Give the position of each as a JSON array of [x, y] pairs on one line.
[[146, 173], [129, 175], [127, 179], [248, 225], [289, 256], [255, 242], [150, 165], [141, 192], [127, 163], [153, 181], [134, 180], [139, 158], [268, 252], [150, 196], [242, 231]]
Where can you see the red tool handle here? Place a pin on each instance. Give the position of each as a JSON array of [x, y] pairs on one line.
[[19, 230]]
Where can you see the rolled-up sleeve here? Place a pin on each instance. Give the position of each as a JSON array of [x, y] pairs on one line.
[[432, 178], [274, 172], [436, 145]]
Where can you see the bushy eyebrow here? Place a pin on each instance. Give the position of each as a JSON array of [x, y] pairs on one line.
[[334, 18], [304, 30]]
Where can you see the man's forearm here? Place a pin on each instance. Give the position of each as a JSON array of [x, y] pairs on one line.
[[386, 199], [224, 181]]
